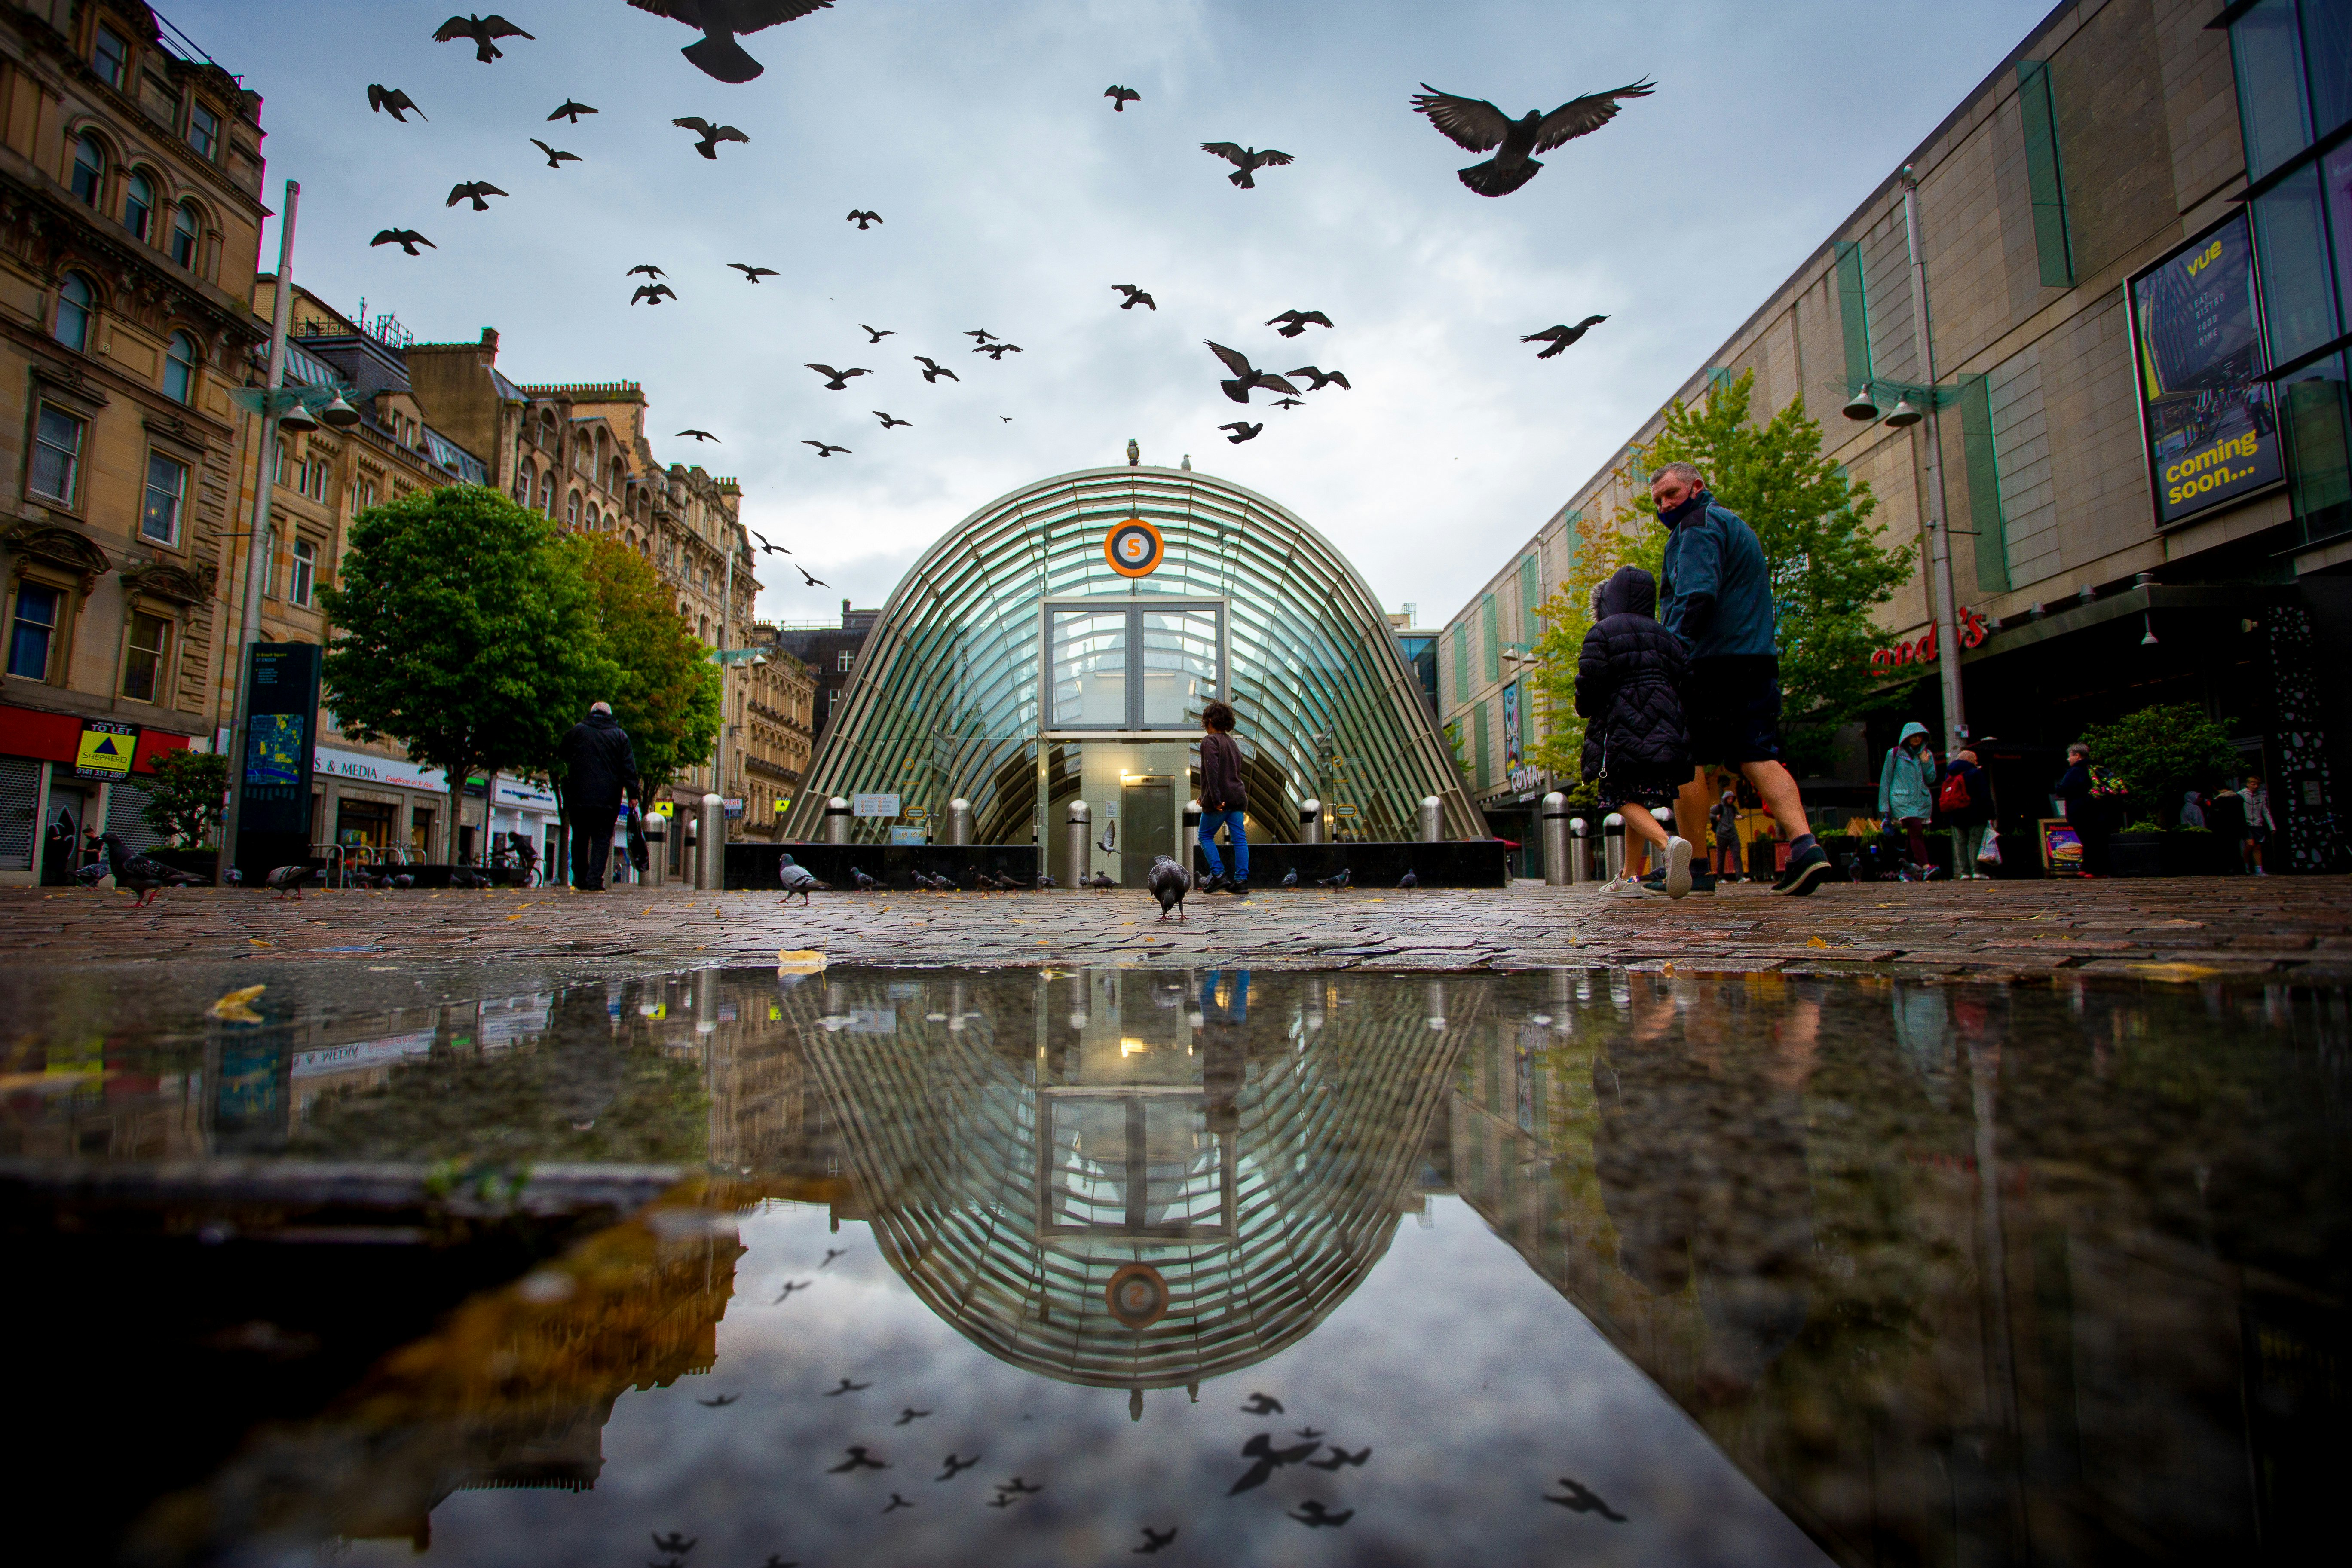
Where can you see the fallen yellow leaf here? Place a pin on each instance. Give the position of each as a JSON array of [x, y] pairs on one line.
[[514, 917], [2179, 974], [237, 1007], [798, 961], [257, 941], [1815, 941]]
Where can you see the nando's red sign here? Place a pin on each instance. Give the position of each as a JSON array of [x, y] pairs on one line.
[[1973, 632]]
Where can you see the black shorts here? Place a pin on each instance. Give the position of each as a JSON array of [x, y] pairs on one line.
[[1651, 789], [1733, 707]]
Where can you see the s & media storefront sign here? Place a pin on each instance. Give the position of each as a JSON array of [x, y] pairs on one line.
[[391, 773], [105, 750], [2212, 425]]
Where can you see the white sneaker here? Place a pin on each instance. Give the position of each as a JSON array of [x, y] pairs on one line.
[[1678, 876], [1624, 887]]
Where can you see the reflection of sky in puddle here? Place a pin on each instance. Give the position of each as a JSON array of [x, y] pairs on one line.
[[1475, 1386]]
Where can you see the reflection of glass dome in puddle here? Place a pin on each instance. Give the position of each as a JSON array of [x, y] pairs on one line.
[[1147, 1195]]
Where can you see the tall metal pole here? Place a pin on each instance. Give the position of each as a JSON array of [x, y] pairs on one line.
[[259, 551], [1944, 599]]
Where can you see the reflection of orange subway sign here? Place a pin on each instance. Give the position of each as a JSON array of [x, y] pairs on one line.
[[1973, 632], [1133, 548]]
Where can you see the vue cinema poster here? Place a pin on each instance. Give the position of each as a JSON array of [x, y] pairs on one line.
[[2212, 429]]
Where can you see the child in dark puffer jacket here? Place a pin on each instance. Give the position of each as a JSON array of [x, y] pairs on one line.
[[1628, 679]]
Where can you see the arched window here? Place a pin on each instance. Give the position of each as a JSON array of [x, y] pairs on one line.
[[88, 168], [186, 230], [571, 510], [75, 300], [595, 519], [138, 205], [547, 493], [180, 368], [522, 487]]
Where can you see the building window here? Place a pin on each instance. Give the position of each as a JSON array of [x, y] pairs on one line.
[[185, 229], [109, 56], [1490, 636], [2298, 288], [844, 659], [319, 472], [2053, 244], [571, 510], [34, 631], [138, 205], [180, 368], [88, 168], [363, 499], [285, 463], [595, 518], [167, 490], [204, 130], [303, 573], [547, 494], [57, 455], [75, 299], [522, 488], [150, 639]]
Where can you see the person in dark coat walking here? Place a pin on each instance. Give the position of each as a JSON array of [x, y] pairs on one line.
[[1222, 799], [600, 771], [1970, 819], [2086, 809], [1629, 679]]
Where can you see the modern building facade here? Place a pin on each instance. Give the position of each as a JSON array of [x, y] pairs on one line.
[[2136, 246], [130, 207], [1060, 642]]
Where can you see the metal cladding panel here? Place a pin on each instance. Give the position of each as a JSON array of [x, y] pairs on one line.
[[946, 700]]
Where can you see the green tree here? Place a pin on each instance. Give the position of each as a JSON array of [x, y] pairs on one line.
[[184, 801], [663, 687], [1830, 564], [2160, 752], [464, 631]]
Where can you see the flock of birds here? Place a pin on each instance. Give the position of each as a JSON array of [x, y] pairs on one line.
[[1474, 124]]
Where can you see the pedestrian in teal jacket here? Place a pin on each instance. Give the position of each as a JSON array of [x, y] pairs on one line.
[[1906, 787]]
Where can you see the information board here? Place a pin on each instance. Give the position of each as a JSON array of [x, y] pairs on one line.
[[2212, 425], [874, 806]]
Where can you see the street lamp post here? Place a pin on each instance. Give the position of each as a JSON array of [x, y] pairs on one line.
[[259, 551], [1945, 598]]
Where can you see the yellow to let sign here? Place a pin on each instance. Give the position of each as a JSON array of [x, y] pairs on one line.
[[106, 749]]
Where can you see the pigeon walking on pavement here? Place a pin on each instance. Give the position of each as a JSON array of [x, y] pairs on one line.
[[1168, 882], [798, 878], [141, 875]]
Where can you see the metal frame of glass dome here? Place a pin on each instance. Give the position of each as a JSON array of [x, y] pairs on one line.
[[950, 696]]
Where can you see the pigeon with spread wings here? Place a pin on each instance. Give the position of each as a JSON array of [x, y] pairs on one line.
[[572, 110], [712, 135], [933, 369], [765, 547], [1246, 377], [863, 220], [408, 239], [1320, 379], [1246, 161], [1241, 431], [1120, 97], [481, 30], [1135, 296], [718, 54], [805, 579], [700, 434], [752, 272], [838, 380], [653, 293], [1478, 126], [474, 191], [996, 351], [555, 159], [391, 100], [1562, 336], [824, 450], [1294, 323]]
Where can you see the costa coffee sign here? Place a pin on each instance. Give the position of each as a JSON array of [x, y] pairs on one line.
[[1973, 632]]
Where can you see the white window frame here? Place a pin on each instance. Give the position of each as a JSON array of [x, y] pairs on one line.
[[41, 443], [163, 654], [177, 496], [302, 573]]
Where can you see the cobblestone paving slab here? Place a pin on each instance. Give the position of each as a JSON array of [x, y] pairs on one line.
[[2180, 930]]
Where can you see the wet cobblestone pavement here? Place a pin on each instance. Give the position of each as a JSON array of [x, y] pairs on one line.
[[2188, 929]]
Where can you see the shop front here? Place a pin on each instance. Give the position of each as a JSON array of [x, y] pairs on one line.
[[63, 775]]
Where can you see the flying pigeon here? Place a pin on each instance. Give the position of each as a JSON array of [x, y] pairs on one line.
[[141, 875], [876, 334], [1322, 378], [1316, 1516], [1478, 126], [391, 100], [700, 434], [1241, 431], [675, 1543], [838, 380], [824, 449], [1168, 882], [572, 110], [863, 220], [1135, 297], [984, 336], [798, 878], [1153, 1539], [646, 268], [408, 239], [996, 351], [1296, 321], [1120, 97], [712, 135], [805, 579], [889, 420], [1245, 161], [751, 272], [1288, 403], [481, 29], [933, 370], [653, 293], [717, 54], [1560, 337], [1246, 378], [765, 547], [555, 159], [474, 191]]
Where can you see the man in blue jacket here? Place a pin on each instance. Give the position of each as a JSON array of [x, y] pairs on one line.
[[1718, 601]]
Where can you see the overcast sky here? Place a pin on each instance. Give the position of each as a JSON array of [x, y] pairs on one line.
[[1013, 198]]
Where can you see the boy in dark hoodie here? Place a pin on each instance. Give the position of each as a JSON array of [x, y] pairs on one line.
[[1629, 680]]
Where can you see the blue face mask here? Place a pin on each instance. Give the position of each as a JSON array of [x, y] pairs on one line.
[[1690, 503]]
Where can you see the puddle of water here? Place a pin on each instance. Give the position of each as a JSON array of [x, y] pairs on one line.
[[1569, 1266]]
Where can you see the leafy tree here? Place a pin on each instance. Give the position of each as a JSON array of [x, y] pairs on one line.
[[462, 630], [664, 687], [184, 803], [1830, 564], [2160, 752]]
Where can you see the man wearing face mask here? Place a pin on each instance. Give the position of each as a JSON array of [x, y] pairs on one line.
[[1718, 599]]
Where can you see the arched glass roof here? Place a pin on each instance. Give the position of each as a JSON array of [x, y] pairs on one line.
[[948, 696]]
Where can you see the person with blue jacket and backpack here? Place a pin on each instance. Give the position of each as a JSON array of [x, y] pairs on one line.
[[1907, 790]]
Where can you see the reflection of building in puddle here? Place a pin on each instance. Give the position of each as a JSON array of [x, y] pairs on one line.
[[1924, 1261], [1136, 1178]]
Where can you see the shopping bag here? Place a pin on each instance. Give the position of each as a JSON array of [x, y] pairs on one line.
[[1990, 853]]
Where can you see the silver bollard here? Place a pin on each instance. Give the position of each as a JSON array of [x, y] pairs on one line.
[[1432, 820], [1077, 835], [1310, 821], [1184, 846], [836, 821], [1612, 839], [711, 835], [959, 823], [1579, 852], [656, 850], [1555, 840]]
